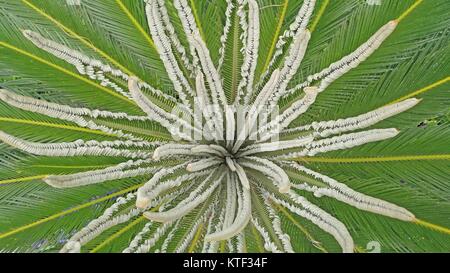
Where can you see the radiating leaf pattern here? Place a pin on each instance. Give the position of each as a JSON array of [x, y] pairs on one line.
[[90, 103]]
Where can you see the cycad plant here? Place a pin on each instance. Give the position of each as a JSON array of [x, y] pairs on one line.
[[224, 126]]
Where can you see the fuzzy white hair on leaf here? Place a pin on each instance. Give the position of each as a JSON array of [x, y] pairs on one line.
[[81, 116], [68, 149], [269, 245], [254, 111], [342, 142], [292, 63], [123, 170], [275, 146], [319, 217], [162, 43], [343, 193], [226, 29], [339, 68], [183, 209], [276, 223], [239, 223], [269, 169], [93, 68], [100, 224], [156, 113], [299, 24], [189, 26], [169, 237], [283, 120], [348, 141], [174, 37], [251, 53], [334, 127], [203, 164], [174, 149], [156, 236]]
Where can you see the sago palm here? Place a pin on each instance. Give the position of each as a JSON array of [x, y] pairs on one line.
[[224, 126]]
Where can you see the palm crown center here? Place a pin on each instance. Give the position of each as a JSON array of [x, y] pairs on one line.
[[239, 161]]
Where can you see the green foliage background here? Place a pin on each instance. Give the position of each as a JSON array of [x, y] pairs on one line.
[[35, 217]]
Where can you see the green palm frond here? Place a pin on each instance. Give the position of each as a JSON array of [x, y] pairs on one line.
[[410, 170]]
